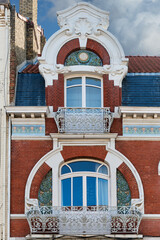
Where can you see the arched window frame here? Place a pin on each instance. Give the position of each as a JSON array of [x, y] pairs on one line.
[[85, 174], [83, 75]]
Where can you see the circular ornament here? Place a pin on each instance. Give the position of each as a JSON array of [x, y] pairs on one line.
[[83, 57]]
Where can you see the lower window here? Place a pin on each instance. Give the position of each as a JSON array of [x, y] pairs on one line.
[[84, 183]]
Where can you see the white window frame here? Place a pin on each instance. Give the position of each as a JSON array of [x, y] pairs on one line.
[[84, 176], [83, 76]]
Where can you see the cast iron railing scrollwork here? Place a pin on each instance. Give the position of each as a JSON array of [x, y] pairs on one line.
[[84, 120], [94, 220]]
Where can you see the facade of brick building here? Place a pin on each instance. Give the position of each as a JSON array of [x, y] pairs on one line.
[[83, 131]]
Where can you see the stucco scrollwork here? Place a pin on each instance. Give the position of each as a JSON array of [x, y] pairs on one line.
[[117, 74], [138, 203], [50, 73], [106, 69], [30, 203]]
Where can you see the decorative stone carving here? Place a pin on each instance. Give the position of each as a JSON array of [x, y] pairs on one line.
[[138, 204], [118, 73], [31, 203], [50, 73], [83, 28]]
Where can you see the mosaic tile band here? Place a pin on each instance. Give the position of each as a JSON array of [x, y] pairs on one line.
[[134, 130], [28, 130]]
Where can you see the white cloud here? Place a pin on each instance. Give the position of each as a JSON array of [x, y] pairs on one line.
[[136, 23]]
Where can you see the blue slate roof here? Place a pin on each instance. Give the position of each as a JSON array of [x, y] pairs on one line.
[[30, 90], [141, 90]]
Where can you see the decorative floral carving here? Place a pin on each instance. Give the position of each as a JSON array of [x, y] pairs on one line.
[[83, 28]]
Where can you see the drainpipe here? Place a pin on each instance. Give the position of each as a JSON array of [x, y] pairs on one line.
[[9, 173]]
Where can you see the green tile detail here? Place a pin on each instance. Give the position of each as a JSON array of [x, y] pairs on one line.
[[45, 191], [123, 191], [83, 57]]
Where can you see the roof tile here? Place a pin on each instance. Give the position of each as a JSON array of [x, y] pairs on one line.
[[137, 64]]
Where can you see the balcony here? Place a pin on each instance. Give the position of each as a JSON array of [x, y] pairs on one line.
[[93, 220], [84, 120]]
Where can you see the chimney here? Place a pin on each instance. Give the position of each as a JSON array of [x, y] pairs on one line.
[[28, 9]]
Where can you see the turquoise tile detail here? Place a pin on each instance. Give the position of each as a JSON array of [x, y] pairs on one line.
[[28, 130], [83, 57], [45, 191], [123, 191], [135, 130]]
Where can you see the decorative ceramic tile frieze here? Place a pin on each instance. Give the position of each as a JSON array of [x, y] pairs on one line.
[[83, 57], [28, 130], [143, 130]]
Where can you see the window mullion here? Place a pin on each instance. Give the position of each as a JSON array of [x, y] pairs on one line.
[[83, 91], [84, 191]]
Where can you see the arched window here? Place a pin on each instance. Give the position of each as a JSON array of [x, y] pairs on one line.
[[84, 183]]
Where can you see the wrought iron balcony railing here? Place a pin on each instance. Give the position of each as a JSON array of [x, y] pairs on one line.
[[84, 120], [94, 220]]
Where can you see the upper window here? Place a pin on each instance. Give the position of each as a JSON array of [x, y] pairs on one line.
[[83, 92], [84, 183], [83, 57]]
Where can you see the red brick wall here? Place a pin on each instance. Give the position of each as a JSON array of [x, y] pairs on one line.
[[111, 93], [99, 50], [145, 156], [40, 174], [124, 169], [19, 228], [96, 152], [24, 156], [150, 227]]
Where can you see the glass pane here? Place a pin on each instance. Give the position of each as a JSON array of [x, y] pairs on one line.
[[93, 81], [66, 192], [74, 81], [91, 191], [93, 97], [65, 169], [82, 166], [103, 170], [77, 191], [102, 191], [74, 97]]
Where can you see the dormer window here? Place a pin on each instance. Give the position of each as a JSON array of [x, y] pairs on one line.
[[83, 91]]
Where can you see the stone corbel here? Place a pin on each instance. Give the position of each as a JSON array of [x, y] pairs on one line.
[[50, 73], [30, 203], [138, 203], [117, 74]]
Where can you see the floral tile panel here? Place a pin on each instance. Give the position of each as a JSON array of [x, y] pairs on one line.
[[143, 130], [28, 130]]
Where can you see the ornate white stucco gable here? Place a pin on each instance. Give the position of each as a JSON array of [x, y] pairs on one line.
[[83, 21]]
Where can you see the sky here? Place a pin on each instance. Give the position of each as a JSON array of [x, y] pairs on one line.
[[135, 23]]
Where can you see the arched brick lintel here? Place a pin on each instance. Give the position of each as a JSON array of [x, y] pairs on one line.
[[73, 45], [124, 169], [40, 174], [92, 152]]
